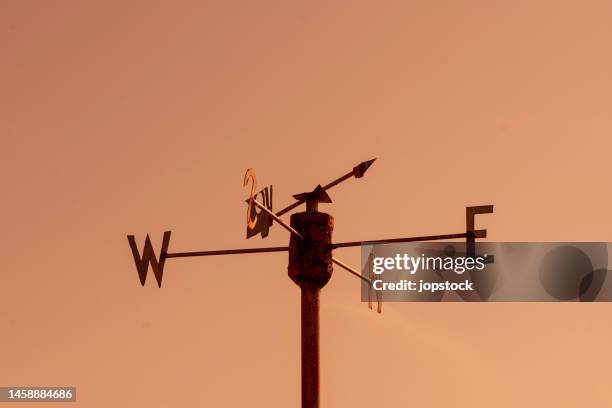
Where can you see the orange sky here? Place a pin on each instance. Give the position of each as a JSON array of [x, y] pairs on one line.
[[138, 117]]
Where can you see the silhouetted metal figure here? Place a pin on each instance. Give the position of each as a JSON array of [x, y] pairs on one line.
[[264, 221]]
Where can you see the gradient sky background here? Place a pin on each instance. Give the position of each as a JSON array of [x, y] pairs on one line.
[[139, 117]]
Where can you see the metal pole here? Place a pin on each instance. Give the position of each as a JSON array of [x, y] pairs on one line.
[[310, 346]]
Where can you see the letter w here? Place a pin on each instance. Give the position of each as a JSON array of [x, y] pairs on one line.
[[148, 257]]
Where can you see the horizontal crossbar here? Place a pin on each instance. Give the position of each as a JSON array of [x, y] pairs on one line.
[[477, 234], [224, 252]]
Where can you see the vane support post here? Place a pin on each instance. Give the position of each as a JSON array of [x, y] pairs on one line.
[[310, 267]]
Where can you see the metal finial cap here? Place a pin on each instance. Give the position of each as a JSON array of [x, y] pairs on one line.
[[313, 198]]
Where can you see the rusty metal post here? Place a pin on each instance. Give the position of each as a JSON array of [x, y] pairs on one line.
[[310, 267], [310, 346]]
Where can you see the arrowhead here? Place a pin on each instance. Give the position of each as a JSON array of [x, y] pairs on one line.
[[362, 167]]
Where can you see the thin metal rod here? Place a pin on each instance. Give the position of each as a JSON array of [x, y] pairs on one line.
[[477, 234], [290, 207], [225, 252], [351, 270], [338, 180], [277, 219], [360, 276]]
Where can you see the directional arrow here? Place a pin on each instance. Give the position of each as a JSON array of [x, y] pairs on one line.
[[358, 171]]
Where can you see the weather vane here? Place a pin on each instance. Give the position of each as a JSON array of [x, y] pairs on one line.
[[310, 256]]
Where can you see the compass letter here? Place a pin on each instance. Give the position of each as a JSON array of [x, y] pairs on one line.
[[148, 257]]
